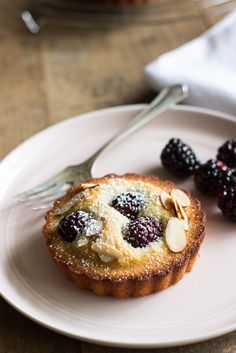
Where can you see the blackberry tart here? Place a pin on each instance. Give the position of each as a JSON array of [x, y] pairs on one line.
[[125, 236]]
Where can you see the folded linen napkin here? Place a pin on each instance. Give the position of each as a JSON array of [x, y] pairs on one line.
[[206, 64]]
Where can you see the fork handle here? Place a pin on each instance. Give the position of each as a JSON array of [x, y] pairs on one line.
[[165, 99]]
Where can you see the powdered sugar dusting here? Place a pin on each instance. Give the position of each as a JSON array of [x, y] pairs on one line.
[[93, 227], [106, 230]]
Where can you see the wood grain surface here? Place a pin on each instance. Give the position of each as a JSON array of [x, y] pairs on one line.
[[63, 72]]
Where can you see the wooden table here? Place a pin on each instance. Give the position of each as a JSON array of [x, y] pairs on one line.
[[64, 72]]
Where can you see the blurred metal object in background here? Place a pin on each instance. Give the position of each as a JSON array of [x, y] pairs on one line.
[[101, 15]]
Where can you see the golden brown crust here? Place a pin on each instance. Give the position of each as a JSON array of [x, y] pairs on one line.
[[130, 287], [156, 279]]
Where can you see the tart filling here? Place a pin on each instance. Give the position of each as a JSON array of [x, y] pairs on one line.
[[125, 236], [125, 221]]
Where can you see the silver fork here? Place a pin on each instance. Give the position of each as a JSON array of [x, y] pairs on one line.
[[42, 196]]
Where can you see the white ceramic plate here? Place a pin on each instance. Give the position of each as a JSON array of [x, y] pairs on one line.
[[201, 306]]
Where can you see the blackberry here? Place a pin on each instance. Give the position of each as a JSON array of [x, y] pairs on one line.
[[143, 230], [227, 202], [71, 226], [212, 176], [129, 203], [179, 158], [227, 153]]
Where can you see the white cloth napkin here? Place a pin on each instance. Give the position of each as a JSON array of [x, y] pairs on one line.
[[207, 65]]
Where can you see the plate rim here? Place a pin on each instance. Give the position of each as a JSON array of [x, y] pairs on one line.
[[23, 309], [178, 107]]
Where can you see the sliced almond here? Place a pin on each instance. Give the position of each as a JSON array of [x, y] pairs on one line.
[[106, 258], [68, 205], [179, 210], [175, 235], [82, 241], [87, 185], [176, 207], [106, 250], [185, 224], [181, 197], [166, 200], [112, 251], [182, 216], [182, 213]]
